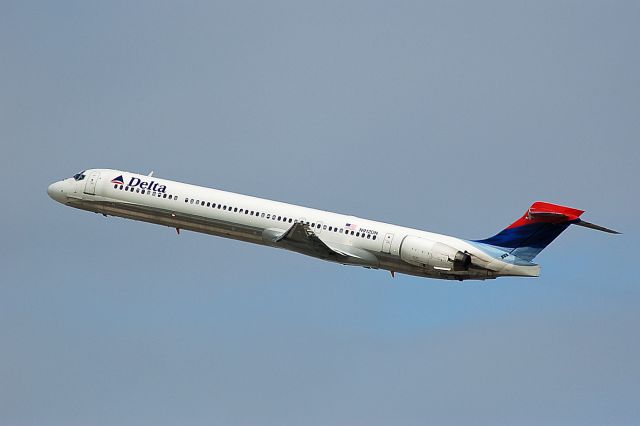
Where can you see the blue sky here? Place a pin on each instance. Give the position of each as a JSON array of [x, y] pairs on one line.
[[446, 116]]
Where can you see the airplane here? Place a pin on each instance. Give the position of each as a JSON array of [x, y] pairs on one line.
[[334, 237]]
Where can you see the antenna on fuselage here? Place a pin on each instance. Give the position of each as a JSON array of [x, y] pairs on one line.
[[150, 173]]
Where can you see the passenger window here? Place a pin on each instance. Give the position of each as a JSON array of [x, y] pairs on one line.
[[324, 227], [289, 220], [235, 210], [262, 215]]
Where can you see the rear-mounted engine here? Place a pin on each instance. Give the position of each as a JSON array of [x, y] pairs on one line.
[[430, 254]]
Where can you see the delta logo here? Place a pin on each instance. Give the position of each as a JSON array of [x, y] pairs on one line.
[[118, 181], [135, 182]]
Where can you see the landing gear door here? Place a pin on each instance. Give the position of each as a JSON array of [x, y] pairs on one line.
[[92, 180]]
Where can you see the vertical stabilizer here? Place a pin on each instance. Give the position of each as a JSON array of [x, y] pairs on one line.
[[536, 229]]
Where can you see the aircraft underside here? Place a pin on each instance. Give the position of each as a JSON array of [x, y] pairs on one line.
[[268, 236]]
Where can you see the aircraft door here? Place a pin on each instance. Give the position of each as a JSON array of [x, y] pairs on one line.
[[386, 243], [92, 180]]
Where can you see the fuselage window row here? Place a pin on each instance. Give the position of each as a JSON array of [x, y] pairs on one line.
[[258, 214], [148, 192]]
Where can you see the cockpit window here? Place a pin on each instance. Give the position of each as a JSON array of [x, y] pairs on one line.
[[79, 176]]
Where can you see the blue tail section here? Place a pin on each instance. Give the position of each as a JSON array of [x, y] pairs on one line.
[[536, 229]]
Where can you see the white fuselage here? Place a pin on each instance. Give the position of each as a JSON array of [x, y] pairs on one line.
[[358, 241]]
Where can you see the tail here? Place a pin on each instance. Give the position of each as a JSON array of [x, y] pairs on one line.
[[537, 228]]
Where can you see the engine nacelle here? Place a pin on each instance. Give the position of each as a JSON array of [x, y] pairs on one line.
[[430, 254]]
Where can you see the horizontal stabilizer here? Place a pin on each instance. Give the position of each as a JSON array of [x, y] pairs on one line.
[[549, 213], [538, 214], [596, 227]]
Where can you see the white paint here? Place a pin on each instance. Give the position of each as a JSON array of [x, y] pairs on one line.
[[383, 252]]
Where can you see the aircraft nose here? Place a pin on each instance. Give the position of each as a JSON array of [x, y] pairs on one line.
[[56, 191]]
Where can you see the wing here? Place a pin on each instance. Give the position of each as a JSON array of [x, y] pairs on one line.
[[301, 238]]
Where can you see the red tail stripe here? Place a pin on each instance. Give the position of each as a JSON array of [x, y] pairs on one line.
[[543, 207]]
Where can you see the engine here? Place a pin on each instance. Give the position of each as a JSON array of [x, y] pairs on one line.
[[430, 254]]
